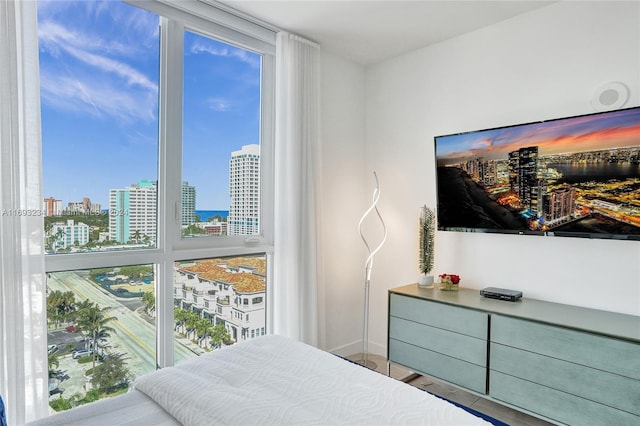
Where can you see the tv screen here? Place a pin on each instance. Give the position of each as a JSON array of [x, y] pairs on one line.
[[577, 176]]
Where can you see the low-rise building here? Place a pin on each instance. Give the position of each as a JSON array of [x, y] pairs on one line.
[[225, 291]]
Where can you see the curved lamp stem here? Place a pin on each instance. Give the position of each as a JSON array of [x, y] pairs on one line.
[[368, 268]]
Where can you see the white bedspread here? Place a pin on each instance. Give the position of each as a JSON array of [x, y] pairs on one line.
[[273, 380]]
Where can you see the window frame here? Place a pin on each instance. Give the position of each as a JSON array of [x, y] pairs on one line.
[[210, 21]]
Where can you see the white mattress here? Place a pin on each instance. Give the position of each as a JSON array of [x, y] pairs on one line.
[[270, 380], [131, 409], [277, 381]]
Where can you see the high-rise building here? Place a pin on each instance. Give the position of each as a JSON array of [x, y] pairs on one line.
[[52, 207], [523, 175], [75, 208], [244, 188], [188, 204], [132, 212], [559, 205], [82, 207]]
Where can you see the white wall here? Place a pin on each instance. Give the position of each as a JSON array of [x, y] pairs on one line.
[[541, 65], [343, 144]]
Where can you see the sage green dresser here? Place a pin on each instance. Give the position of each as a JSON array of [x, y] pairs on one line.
[[567, 364]]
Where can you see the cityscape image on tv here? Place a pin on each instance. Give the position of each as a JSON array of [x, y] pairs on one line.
[[577, 176]]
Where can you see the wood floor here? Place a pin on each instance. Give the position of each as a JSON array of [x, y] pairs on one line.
[[452, 393]]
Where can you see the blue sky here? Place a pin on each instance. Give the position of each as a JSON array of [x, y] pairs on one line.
[[99, 64]]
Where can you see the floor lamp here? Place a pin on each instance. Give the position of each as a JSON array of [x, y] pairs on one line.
[[367, 270]]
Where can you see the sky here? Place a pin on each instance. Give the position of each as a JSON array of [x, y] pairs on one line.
[[584, 133], [99, 88]]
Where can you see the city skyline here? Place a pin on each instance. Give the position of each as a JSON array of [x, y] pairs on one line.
[[99, 77], [609, 130]]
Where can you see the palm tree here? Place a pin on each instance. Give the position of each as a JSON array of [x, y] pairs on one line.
[[58, 237], [149, 300], [48, 226], [219, 335], [92, 321], [53, 362], [191, 322], [137, 236], [60, 306], [204, 329], [180, 317]]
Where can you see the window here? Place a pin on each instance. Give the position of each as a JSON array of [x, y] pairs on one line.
[[221, 124], [143, 149], [99, 96]]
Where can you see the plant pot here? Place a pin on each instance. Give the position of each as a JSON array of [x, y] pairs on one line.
[[449, 287], [425, 280]]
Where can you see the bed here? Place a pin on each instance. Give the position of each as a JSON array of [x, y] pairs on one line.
[[270, 380]]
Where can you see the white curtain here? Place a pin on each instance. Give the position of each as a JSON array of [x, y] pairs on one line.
[[296, 238], [23, 337]]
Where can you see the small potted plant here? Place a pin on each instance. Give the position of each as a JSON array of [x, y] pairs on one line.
[[425, 250]]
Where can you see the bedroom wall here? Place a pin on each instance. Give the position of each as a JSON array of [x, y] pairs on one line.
[[541, 65], [343, 145]]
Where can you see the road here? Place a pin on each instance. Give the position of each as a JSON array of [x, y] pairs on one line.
[[134, 336]]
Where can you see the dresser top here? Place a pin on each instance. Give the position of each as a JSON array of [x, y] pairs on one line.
[[592, 320]]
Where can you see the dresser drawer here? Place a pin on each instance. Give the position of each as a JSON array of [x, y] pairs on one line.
[[460, 346], [461, 373], [604, 353], [439, 315], [607, 388], [555, 405]]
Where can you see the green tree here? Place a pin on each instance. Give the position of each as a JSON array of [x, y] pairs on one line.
[[93, 322], [111, 374], [60, 233], [49, 239], [219, 335], [203, 329], [192, 230], [137, 236], [149, 301], [180, 317], [53, 363], [100, 271], [60, 307], [136, 271], [63, 404], [190, 323]]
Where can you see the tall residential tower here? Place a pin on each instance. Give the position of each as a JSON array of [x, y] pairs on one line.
[[244, 188], [188, 204], [132, 212]]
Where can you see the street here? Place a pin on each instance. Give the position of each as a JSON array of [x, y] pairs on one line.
[[134, 336]]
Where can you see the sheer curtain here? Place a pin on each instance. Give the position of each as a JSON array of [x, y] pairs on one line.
[[23, 337], [296, 238]]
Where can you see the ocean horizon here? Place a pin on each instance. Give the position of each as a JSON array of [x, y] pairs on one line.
[[206, 214]]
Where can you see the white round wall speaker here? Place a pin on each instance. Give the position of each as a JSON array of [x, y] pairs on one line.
[[610, 96]]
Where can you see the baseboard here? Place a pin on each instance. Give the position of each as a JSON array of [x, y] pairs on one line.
[[356, 347]]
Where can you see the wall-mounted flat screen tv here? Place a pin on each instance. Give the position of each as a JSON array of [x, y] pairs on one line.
[[577, 176]]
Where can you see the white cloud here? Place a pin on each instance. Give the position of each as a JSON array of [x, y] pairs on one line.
[[229, 52], [121, 69], [219, 104], [95, 97], [54, 36], [98, 85]]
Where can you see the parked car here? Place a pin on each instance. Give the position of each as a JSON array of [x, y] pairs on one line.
[[79, 353], [52, 349], [71, 329]]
